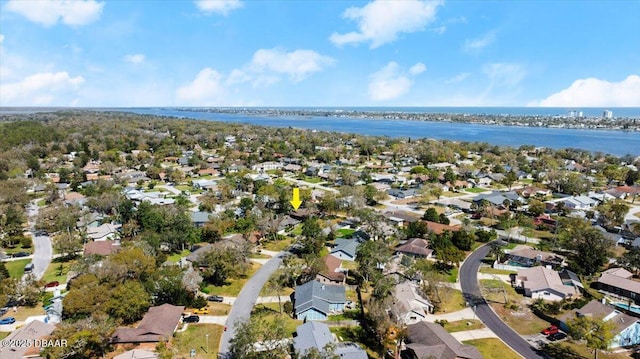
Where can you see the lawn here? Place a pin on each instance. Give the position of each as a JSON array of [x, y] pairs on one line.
[[344, 232], [297, 230], [452, 275], [233, 286], [25, 312], [278, 245], [355, 334], [567, 347], [174, 258], [54, 272], [16, 268], [475, 190], [4, 334], [195, 338], [270, 311], [215, 308], [490, 270], [452, 300], [18, 248], [284, 293], [492, 348], [462, 325]]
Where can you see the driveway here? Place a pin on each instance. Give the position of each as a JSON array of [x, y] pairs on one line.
[[471, 291], [246, 300]]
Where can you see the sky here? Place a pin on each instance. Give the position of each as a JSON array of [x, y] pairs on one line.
[[90, 53]]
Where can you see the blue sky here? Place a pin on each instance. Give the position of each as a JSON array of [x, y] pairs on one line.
[[319, 53]]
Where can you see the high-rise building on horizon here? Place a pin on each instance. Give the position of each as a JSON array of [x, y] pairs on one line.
[[607, 114]]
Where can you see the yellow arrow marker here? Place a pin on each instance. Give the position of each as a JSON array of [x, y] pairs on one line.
[[296, 202]]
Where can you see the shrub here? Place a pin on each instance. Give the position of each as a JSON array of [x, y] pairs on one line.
[[26, 242]]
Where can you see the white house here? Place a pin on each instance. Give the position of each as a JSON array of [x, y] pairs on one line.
[[542, 282]]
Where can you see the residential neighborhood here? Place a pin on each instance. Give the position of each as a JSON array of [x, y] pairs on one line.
[[149, 237]]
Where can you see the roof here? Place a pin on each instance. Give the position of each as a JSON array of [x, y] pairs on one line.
[[619, 272], [534, 254], [350, 350], [542, 278], [439, 228], [408, 300], [332, 263], [200, 217], [430, 340], [318, 296], [416, 246], [28, 333], [102, 231], [159, 323], [312, 334], [101, 248], [619, 282], [595, 309], [347, 246]]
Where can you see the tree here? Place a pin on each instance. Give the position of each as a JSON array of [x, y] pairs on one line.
[[590, 247], [67, 244], [631, 260], [596, 332], [536, 207], [368, 255], [128, 302], [86, 338], [431, 215], [509, 179], [312, 233], [268, 334], [137, 264]]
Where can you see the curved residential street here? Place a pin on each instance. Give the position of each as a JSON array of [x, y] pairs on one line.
[[247, 298], [471, 291]]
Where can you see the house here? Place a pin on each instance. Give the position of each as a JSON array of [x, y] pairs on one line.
[[626, 328], [403, 193], [400, 218], [101, 248], [525, 256], [316, 335], [533, 191], [345, 249], [415, 247], [439, 228], [617, 281], [333, 274], [408, 305], [431, 340], [74, 198], [542, 282], [103, 232], [315, 301], [28, 334], [199, 219], [579, 203], [159, 323]]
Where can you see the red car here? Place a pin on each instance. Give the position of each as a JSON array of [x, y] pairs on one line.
[[551, 330], [55, 283]]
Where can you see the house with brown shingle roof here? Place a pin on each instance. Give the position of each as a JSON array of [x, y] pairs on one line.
[[415, 247], [430, 340], [333, 274], [27, 334], [439, 228], [101, 248], [158, 324]]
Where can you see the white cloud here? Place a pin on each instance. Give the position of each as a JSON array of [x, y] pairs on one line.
[[592, 92], [135, 59], [417, 69], [392, 81], [268, 65], [223, 7], [479, 43], [49, 12], [40, 89], [439, 30], [205, 90], [381, 21], [457, 78], [504, 74]]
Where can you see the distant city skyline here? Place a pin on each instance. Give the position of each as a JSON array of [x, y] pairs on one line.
[[320, 53]]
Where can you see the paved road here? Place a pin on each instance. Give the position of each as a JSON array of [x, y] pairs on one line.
[[471, 290], [42, 249], [245, 301]]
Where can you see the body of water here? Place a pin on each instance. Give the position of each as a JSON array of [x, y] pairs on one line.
[[618, 143]]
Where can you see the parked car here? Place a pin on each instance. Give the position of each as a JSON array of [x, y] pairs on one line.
[[3, 311], [55, 283], [28, 268], [551, 330], [20, 254], [204, 310], [215, 298], [557, 336], [7, 320], [191, 319]]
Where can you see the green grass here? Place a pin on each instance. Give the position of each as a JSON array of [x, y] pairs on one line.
[[234, 286], [42, 203], [4, 334], [195, 338], [297, 230], [452, 275], [492, 348], [462, 325], [16, 268], [277, 246], [18, 248], [475, 190], [53, 272], [452, 300], [269, 311], [490, 270], [174, 258], [344, 232], [355, 334]]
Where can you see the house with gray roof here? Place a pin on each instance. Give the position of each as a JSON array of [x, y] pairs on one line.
[[430, 340], [544, 283], [199, 218], [315, 301], [316, 335], [345, 249], [28, 334], [619, 282]]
